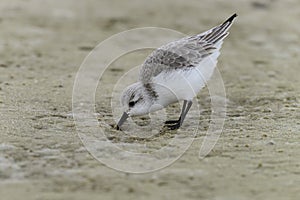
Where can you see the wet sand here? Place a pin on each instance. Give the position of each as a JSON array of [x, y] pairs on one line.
[[42, 46]]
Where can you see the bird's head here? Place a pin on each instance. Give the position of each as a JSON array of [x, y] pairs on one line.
[[135, 101]]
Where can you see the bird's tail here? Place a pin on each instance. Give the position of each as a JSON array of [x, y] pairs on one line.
[[218, 33]]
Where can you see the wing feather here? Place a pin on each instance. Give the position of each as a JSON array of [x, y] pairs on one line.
[[185, 53]]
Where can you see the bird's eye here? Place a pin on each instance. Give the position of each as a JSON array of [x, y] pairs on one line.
[[131, 103]]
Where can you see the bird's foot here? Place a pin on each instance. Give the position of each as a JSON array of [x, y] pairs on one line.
[[172, 122], [173, 126]]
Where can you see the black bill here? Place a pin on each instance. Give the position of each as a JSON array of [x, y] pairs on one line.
[[122, 120]]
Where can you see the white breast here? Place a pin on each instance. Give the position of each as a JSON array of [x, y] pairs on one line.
[[176, 85]]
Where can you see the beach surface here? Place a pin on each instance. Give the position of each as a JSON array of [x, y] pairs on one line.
[[42, 46]]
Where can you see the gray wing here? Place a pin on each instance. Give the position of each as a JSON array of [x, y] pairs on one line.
[[185, 53]]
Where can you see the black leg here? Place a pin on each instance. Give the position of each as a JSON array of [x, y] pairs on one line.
[[178, 120], [182, 117], [175, 124]]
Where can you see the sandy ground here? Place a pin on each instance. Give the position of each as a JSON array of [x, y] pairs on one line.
[[42, 46]]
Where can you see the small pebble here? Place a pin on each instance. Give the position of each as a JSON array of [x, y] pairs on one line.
[[259, 165], [271, 142], [268, 110], [38, 127], [85, 48], [130, 190], [70, 125], [259, 5], [271, 74]]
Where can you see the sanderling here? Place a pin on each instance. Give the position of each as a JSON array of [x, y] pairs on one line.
[[174, 72]]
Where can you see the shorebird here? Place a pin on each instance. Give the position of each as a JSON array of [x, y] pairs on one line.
[[174, 72]]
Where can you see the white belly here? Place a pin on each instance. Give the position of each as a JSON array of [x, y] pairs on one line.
[[179, 85], [182, 84], [185, 84]]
